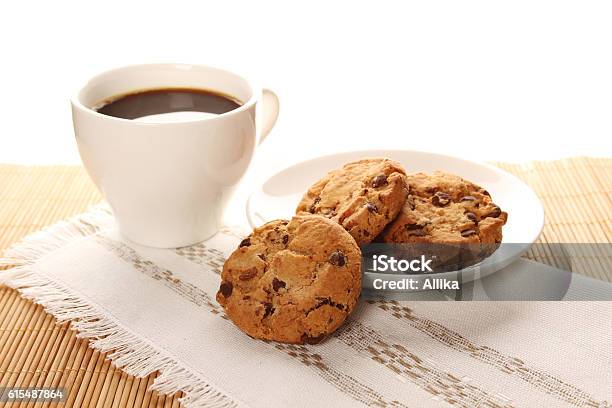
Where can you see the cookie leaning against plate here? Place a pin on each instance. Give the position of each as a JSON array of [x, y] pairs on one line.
[[362, 196], [292, 281], [446, 209]]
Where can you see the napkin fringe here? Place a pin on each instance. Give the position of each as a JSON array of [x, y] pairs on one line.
[[132, 354], [37, 245]]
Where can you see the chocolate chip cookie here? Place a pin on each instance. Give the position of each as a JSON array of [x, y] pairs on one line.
[[292, 281], [448, 210], [363, 196]]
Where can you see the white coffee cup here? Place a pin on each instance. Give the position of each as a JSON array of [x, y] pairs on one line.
[[168, 183]]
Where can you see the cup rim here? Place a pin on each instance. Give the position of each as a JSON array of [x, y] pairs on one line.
[[255, 91]]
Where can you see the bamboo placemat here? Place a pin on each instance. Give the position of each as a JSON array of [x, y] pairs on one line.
[[35, 352]]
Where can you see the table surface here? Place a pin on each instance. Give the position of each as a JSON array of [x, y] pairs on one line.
[[35, 351]]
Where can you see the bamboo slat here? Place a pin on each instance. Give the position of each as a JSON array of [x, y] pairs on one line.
[[34, 350]]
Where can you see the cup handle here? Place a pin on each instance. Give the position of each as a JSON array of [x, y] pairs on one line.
[[270, 112]]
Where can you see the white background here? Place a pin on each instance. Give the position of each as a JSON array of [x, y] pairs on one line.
[[482, 80]]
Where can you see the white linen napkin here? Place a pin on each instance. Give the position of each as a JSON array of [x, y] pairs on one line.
[[155, 309]]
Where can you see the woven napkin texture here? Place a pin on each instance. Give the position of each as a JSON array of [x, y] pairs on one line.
[[155, 310]]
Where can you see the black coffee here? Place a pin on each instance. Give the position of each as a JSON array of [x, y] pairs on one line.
[[169, 100]]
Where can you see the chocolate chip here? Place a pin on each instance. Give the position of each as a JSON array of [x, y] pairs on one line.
[[417, 233], [248, 274], [245, 243], [410, 227], [495, 213], [285, 239], [312, 339], [468, 232], [471, 216], [277, 284], [371, 207], [410, 202], [468, 198], [323, 301], [485, 192], [339, 306], [268, 309], [379, 181], [226, 288], [262, 257], [440, 199], [314, 204], [337, 258]]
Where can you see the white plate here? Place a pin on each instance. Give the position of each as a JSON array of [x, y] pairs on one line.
[[278, 197]]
